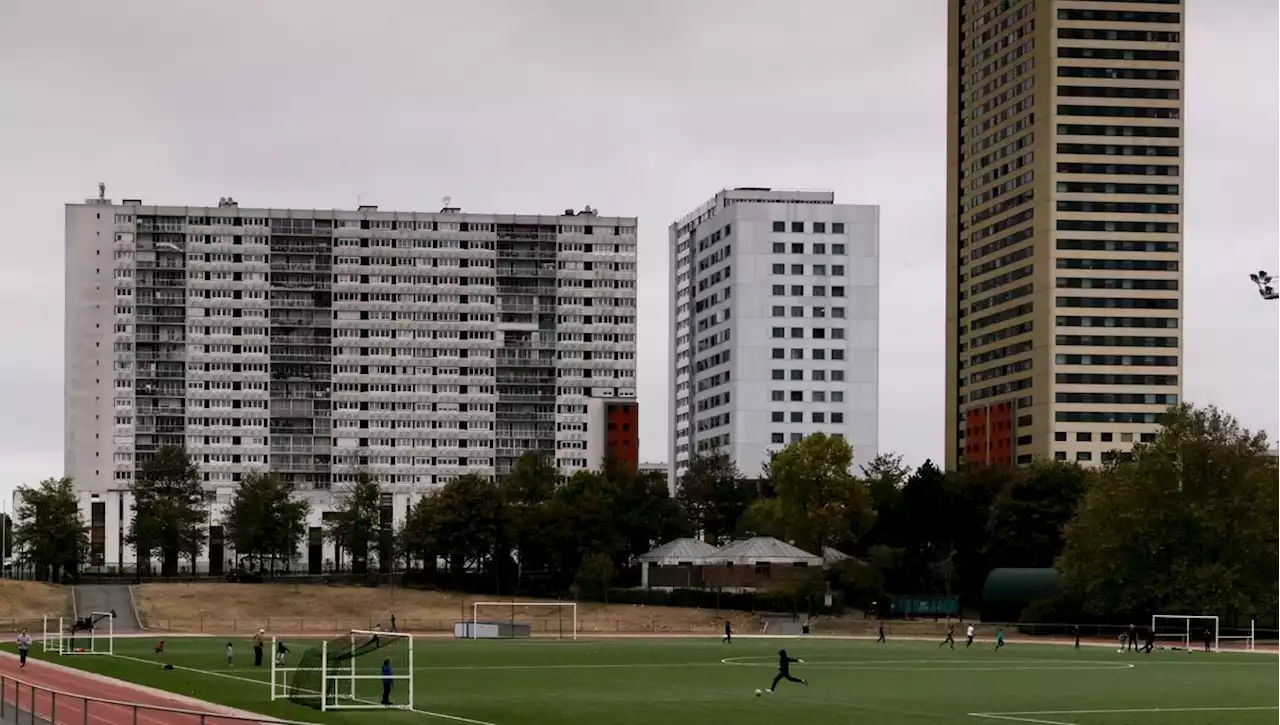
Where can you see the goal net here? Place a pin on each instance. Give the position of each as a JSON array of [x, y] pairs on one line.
[[516, 620], [93, 634], [1186, 631], [363, 669]]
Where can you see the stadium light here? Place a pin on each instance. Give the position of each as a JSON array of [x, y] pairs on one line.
[[1266, 285]]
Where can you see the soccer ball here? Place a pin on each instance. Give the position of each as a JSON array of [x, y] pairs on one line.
[[759, 693], [1120, 651]]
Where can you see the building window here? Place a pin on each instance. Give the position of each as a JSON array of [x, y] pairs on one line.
[[797, 227], [779, 290], [819, 290], [779, 375], [819, 228], [837, 417], [1084, 456], [779, 226], [819, 333], [779, 247], [1105, 437], [779, 269], [837, 396], [819, 417], [777, 332], [797, 375], [776, 438], [779, 311], [797, 332], [1059, 455], [797, 248], [1126, 437], [819, 248], [1084, 437], [797, 416], [797, 396], [778, 353], [819, 396], [776, 416], [837, 228], [776, 395], [797, 269], [819, 375]]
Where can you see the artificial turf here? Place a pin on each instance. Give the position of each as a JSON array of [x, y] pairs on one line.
[[689, 682]]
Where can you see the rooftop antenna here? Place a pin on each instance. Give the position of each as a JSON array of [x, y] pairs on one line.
[[360, 198], [102, 190], [447, 201]]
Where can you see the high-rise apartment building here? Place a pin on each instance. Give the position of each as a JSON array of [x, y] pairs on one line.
[[775, 325], [317, 344], [1064, 226]]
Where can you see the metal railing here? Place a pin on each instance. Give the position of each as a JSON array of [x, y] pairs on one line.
[[25, 702]]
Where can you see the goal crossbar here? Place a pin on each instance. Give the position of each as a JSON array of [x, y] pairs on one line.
[[1186, 628], [511, 617], [59, 634], [338, 678]]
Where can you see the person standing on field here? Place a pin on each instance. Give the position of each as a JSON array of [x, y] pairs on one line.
[[257, 647]]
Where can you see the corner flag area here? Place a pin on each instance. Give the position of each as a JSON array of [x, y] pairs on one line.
[[699, 681]]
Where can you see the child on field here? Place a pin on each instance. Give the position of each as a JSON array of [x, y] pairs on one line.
[[229, 655]]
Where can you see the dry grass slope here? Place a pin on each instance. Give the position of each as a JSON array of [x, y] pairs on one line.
[[219, 607], [22, 603]]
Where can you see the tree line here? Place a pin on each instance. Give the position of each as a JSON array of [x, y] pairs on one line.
[[1184, 523]]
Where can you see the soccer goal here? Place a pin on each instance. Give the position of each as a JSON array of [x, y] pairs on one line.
[[516, 620], [90, 635], [347, 673], [1186, 631]]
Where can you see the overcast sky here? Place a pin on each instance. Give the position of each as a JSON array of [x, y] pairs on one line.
[[636, 108]]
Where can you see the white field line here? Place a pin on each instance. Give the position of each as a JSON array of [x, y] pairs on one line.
[[267, 683], [1027, 716]]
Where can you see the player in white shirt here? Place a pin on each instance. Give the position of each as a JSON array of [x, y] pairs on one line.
[[24, 644], [968, 633]]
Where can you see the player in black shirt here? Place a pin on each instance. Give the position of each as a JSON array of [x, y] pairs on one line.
[[1075, 629], [881, 639], [728, 632], [784, 670], [951, 637]]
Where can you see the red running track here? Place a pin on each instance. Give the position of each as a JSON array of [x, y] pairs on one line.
[[68, 698]]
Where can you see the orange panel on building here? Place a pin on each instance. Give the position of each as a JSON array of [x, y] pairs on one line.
[[988, 435], [622, 434]]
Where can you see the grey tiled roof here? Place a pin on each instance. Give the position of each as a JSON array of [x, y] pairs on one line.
[[678, 550], [762, 549]]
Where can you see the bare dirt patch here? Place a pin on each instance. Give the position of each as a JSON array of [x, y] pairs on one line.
[[24, 604], [219, 607]]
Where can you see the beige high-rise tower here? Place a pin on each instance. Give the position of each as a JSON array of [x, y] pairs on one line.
[[1064, 226]]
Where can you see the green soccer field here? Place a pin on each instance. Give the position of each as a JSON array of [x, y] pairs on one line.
[[701, 682]]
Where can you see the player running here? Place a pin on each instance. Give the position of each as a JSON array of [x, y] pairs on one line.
[[881, 639], [968, 633], [728, 632], [784, 670], [951, 637], [999, 639], [24, 644], [281, 651]]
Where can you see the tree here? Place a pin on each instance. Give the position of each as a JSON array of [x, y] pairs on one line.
[[169, 509], [714, 496], [886, 477], [1186, 524], [1027, 517], [468, 523], [818, 502], [525, 493], [51, 533], [265, 521], [356, 525], [417, 536]]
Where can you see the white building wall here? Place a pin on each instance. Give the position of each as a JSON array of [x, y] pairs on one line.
[[416, 323], [739, 299]]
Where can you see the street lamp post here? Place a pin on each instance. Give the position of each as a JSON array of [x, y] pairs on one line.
[[1266, 285]]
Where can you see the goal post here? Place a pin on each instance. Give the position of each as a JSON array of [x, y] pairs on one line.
[[1187, 630], [346, 673], [520, 620], [96, 634]]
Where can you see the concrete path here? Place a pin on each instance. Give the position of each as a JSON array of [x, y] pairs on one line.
[[108, 598]]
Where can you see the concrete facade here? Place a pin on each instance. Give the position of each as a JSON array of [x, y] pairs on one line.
[[1064, 227], [775, 325], [415, 346]]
